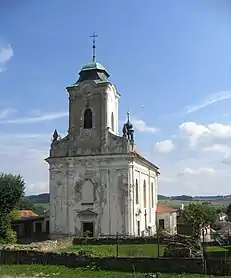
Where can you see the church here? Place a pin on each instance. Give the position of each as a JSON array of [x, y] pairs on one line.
[[98, 183]]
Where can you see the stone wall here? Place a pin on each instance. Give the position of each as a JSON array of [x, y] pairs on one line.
[[114, 240], [129, 264], [44, 246]]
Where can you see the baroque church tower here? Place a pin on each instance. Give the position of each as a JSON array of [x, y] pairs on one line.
[[93, 177]]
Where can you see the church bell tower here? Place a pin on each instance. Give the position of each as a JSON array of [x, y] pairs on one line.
[[93, 108]]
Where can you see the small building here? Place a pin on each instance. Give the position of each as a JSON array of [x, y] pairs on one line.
[[30, 226], [167, 218], [222, 216]]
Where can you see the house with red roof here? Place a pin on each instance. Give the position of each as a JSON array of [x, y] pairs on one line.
[[167, 218], [30, 226]]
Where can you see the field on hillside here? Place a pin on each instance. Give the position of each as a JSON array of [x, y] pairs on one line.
[[177, 203], [44, 205], [28, 271], [172, 203]]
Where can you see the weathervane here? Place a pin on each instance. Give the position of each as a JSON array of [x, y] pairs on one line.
[[93, 36]]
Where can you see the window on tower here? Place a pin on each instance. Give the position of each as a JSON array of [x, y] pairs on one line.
[[87, 119], [112, 121]]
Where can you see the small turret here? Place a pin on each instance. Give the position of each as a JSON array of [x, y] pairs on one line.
[[128, 130], [55, 136]]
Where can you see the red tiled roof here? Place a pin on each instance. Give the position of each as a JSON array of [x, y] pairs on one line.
[[160, 208], [27, 213]]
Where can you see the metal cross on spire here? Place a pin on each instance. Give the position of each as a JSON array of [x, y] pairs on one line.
[[128, 116], [93, 36]]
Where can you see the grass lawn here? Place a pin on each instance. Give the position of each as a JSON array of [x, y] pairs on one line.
[[124, 250], [218, 248], [26, 271]]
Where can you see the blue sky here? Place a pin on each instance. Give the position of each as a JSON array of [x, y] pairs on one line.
[[171, 57]]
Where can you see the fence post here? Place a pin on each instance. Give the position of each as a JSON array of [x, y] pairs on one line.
[[158, 243], [204, 251], [117, 245]]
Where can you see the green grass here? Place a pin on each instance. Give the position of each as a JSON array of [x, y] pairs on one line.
[[218, 248], [124, 250], [131, 250], [26, 271]]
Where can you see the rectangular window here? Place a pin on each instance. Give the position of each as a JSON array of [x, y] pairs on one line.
[[137, 192], [145, 193], [138, 228], [161, 224], [152, 195]]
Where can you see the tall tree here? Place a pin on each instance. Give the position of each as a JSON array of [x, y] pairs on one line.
[[11, 190], [198, 216]]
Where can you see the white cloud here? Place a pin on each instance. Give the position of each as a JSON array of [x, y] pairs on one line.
[[222, 95], [198, 171], [6, 112], [6, 53], [217, 148], [196, 132], [226, 159], [37, 119], [24, 154], [141, 126], [165, 146]]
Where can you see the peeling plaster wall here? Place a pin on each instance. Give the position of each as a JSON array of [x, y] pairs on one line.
[[91, 189], [143, 173]]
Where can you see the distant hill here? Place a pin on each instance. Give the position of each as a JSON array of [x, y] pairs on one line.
[[193, 198], [43, 198]]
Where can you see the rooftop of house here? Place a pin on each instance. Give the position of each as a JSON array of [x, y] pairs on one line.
[[161, 209], [27, 213]]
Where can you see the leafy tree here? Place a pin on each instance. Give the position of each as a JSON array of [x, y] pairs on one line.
[[229, 209], [24, 203], [14, 215], [198, 216], [11, 190]]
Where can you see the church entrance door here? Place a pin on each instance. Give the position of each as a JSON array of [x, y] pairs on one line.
[[88, 229]]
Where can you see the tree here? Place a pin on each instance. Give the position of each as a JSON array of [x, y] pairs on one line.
[[11, 190], [229, 209], [14, 215], [24, 203], [198, 216], [27, 204]]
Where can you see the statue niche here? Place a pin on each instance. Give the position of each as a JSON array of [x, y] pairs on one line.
[[88, 192]]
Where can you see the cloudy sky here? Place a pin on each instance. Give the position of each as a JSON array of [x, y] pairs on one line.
[[170, 61]]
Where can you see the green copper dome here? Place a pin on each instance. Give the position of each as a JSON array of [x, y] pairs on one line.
[[93, 66], [93, 71]]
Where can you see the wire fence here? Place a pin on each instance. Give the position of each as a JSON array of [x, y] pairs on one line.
[[215, 244]]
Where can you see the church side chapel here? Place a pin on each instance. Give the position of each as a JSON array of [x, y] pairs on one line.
[[98, 183]]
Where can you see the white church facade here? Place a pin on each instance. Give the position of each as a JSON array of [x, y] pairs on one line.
[[98, 183]]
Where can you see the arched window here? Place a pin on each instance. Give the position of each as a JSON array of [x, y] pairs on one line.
[[145, 197], [112, 121], [87, 118], [137, 192]]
